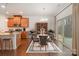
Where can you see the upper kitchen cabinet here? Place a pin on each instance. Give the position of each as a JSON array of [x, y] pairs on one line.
[[24, 22], [10, 22], [17, 19]]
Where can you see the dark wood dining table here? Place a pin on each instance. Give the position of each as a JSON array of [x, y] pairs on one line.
[[43, 35]]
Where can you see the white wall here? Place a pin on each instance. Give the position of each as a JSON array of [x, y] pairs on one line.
[[3, 23], [64, 13], [34, 19]]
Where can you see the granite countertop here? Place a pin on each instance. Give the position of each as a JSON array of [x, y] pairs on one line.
[[4, 33], [9, 33]]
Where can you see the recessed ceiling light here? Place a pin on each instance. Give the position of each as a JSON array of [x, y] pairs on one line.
[[44, 8], [3, 6], [7, 12], [21, 12]]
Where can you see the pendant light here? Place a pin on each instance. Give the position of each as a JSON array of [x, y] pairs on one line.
[[44, 18]]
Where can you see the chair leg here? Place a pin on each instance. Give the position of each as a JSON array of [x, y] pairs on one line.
[[10, 47], [33, 46], [40, 47], [45, 47], [1, 47], [12, 44], [4, 53], [9, 44]]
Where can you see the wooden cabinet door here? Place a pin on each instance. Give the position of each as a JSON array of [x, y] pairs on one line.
[[24, 35], [10, 22], [17, 19], [24, 22]]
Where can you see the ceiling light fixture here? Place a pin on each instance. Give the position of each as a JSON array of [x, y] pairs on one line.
[[3, 6], [21, 12], [7, 12], [44, 18]]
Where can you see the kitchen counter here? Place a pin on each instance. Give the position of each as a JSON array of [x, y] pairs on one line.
[[3, 33], [15, 37]]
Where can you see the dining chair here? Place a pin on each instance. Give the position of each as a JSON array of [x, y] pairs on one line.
[[51, 35], [43, 41], [34, 39]]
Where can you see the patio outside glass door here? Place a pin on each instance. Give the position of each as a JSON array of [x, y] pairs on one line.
[[68, 32], [64, 31], [60, 30]]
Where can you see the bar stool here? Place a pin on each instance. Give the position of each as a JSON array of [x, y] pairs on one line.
[[9, 40]]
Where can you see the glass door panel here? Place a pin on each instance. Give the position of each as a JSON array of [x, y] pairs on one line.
[[64, 31], [68, 32], [60, 30]]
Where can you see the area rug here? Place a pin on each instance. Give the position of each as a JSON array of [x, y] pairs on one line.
[[51, 48]]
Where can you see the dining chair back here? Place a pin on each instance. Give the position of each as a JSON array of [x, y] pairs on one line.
[[43, 40]]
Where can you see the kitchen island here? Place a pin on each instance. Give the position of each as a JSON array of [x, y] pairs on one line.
[[15, 37]]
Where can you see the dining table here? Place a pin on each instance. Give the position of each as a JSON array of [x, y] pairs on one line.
[[43, 35], [48, 37]]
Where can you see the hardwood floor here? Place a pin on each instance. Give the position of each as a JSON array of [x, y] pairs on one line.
[[21, 50]]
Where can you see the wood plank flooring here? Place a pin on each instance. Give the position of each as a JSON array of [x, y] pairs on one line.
[[21, 50]]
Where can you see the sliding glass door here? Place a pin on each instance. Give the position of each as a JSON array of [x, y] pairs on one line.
[[60, 29], [68, 32], [64, 31]]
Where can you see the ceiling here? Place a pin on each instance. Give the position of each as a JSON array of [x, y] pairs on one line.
[[32, 9]]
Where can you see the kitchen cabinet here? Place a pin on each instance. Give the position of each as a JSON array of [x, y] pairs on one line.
[[17, 19], [24, 35], [10, 22], [24, 22]]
